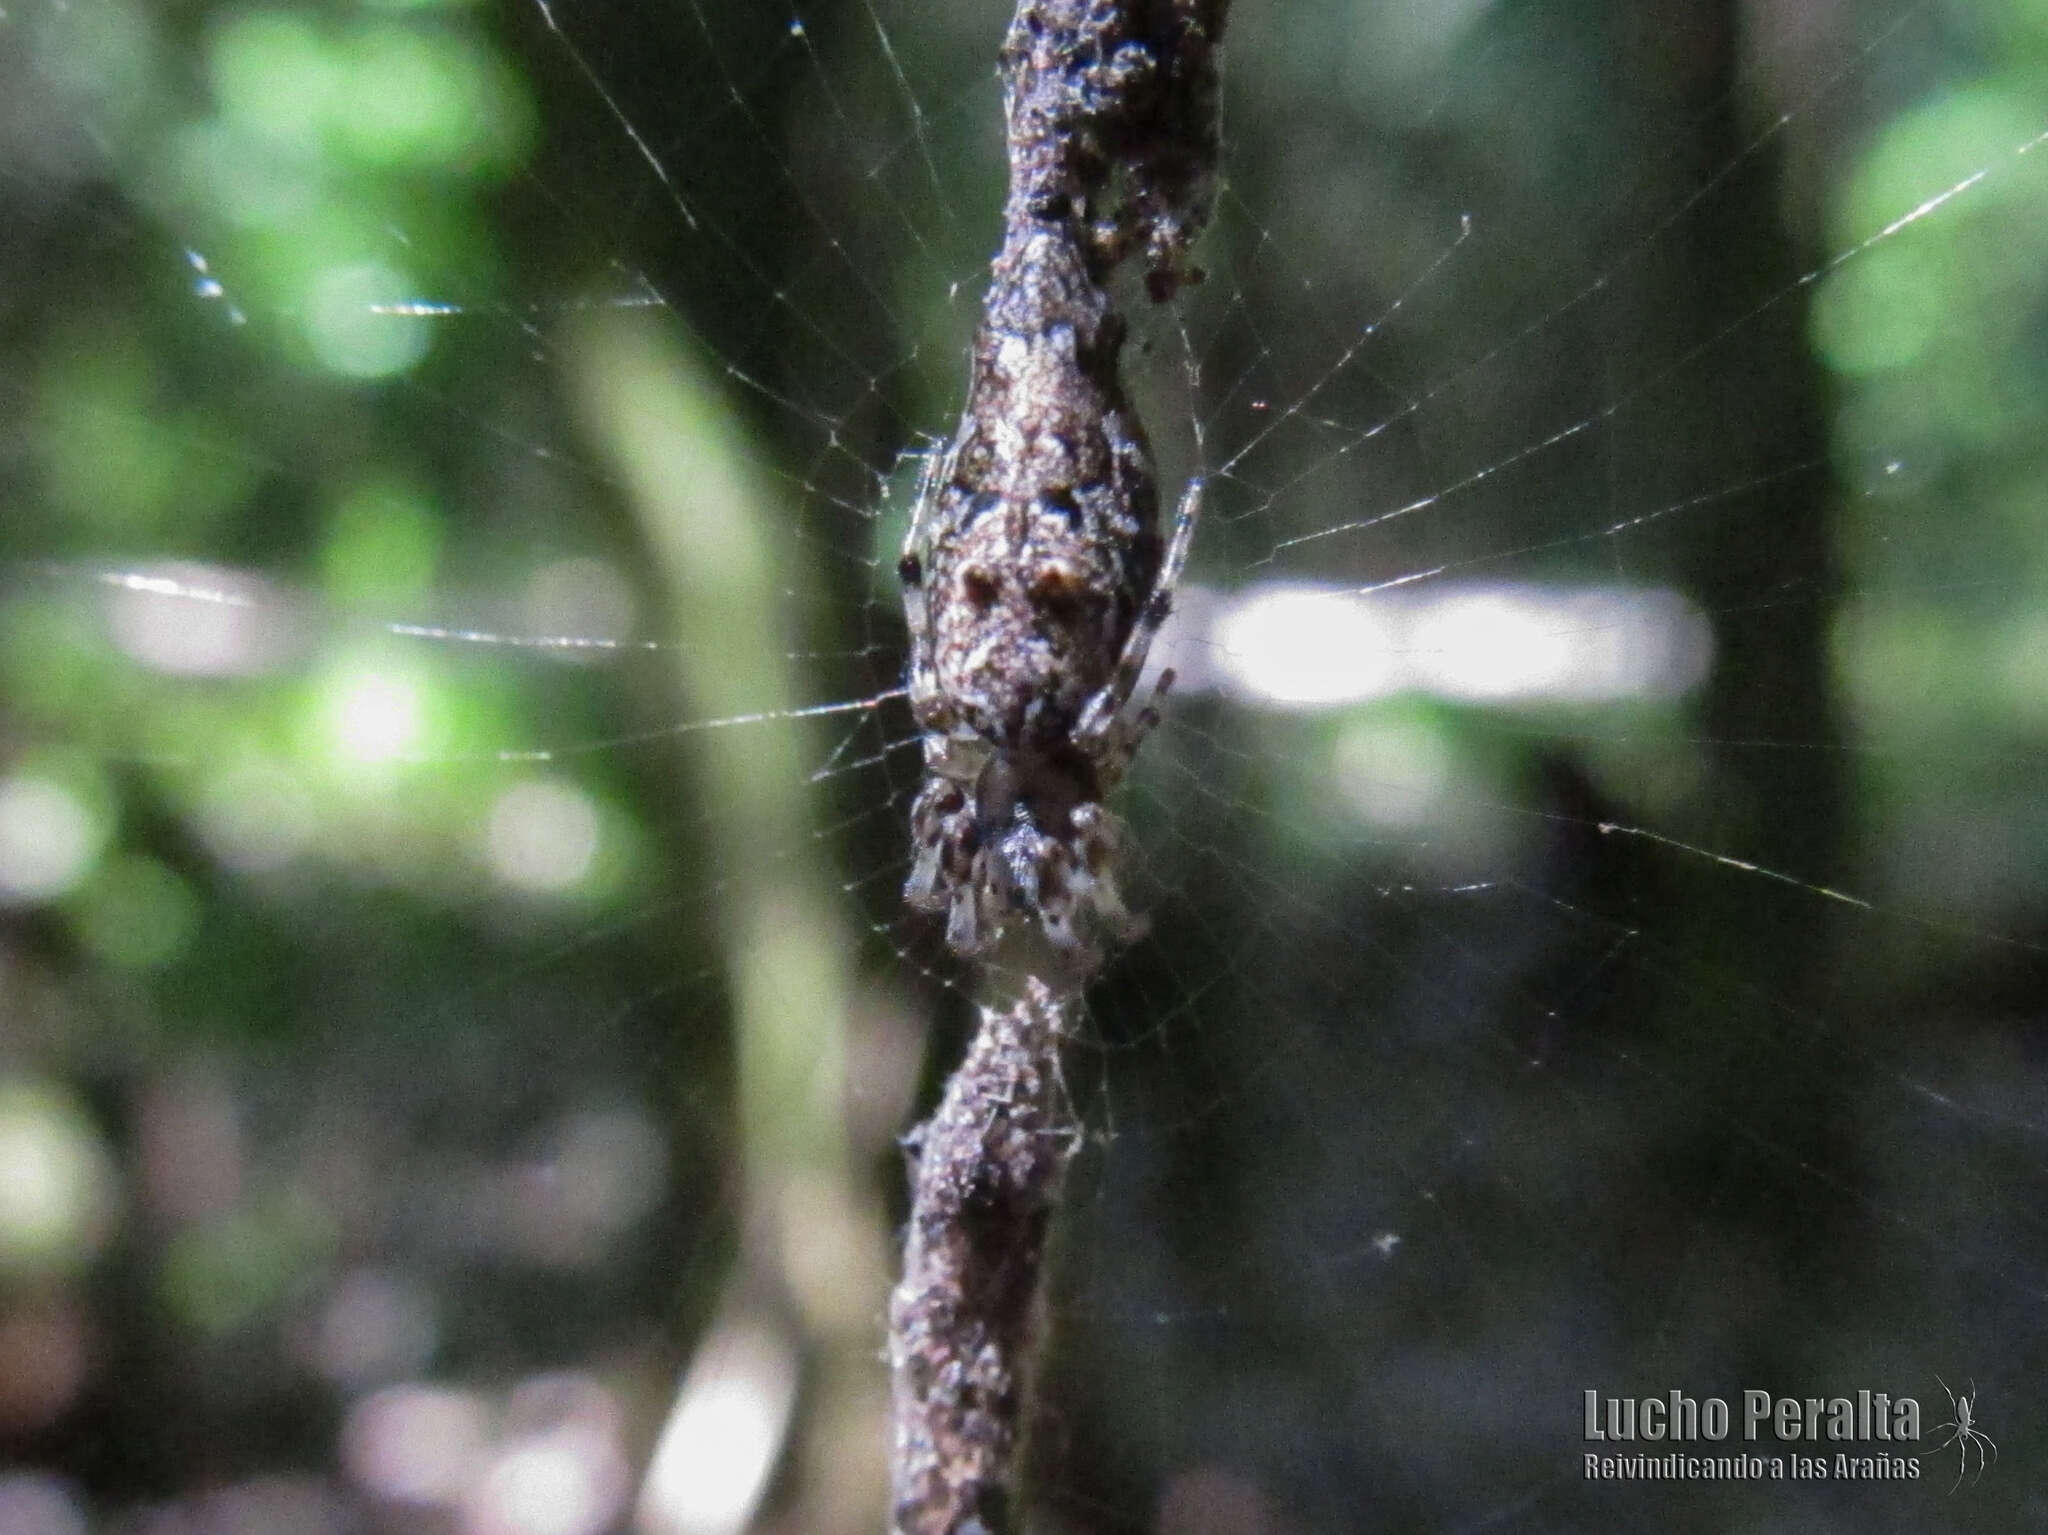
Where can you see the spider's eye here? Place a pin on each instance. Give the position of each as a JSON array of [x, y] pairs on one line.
[[1061, 499], [910, 570]]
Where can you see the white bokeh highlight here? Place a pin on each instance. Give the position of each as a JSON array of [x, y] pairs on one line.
[[375, 717], [1307, 647], [34, 1503], [417, 1445], [723, 1436], [1298, 646], [542, 836], [49, 839], [187, 620]]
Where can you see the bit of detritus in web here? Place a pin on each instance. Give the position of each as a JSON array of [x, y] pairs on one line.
[[989, 1166]]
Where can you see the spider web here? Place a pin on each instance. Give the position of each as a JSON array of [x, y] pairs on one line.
[[1590, 851]]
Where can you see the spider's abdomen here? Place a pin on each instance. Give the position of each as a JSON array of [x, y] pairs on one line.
[[1043, 536], [1028, 617]]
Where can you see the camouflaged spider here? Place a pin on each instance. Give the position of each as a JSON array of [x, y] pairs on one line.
[[1034, 578], [1031, 614]]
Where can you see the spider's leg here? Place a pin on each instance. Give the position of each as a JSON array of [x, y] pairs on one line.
[[1095, 729], [925, 499], [922, 890], [924, 681], [926, 698], [965, 929], [1098, 842], [1980, 1439], [913, 569], [940, 820]]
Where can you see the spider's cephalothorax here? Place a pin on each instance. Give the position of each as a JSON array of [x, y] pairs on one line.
[[1034, 583]]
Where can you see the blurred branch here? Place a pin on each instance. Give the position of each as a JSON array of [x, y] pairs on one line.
[[812, 1243]]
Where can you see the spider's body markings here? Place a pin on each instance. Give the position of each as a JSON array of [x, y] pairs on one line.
[[1035, 578], [1034, 582]]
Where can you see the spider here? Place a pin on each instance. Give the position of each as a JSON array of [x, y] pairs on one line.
[[1034, 580], [1963, 1431], [1031, 614]]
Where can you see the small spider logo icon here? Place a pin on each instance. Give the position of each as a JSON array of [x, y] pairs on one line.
[[1963, 1431]]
